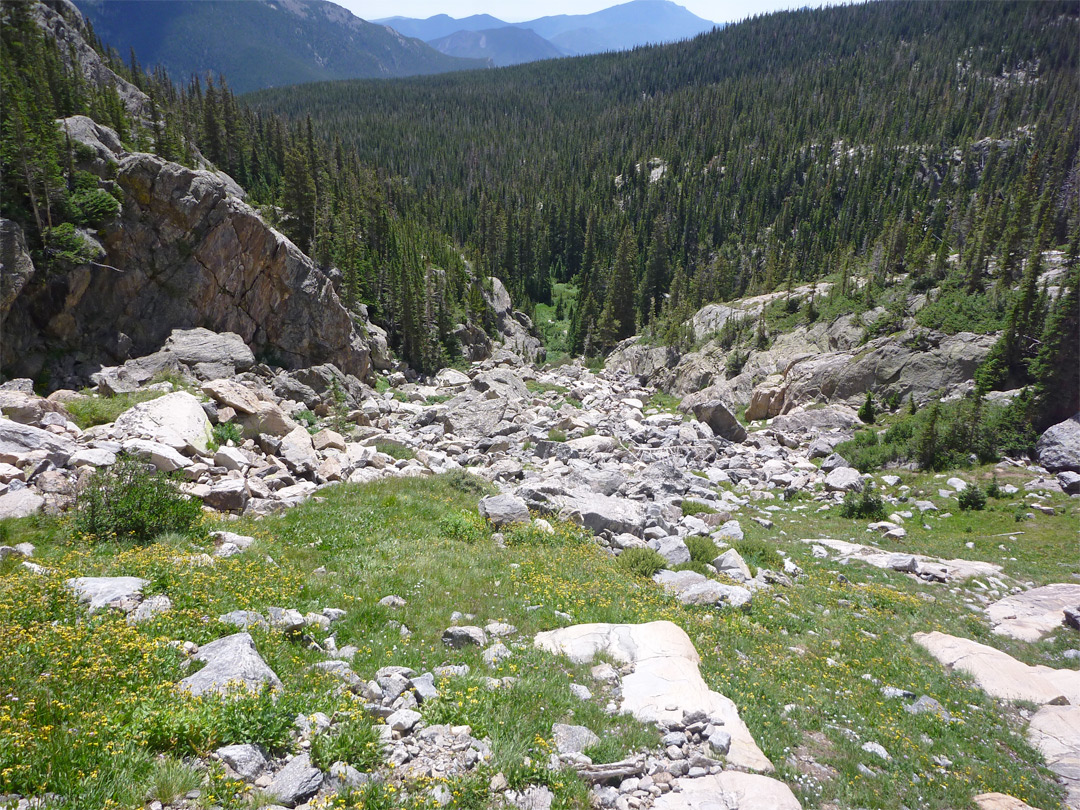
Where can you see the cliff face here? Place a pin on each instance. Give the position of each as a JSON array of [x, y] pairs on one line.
[[184, 252]]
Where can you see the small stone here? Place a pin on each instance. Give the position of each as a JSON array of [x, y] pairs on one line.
[[458, 637]]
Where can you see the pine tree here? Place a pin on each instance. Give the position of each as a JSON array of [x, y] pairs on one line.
[[617, 320]]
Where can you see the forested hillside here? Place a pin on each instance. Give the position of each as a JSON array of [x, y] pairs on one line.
[[854, 141]]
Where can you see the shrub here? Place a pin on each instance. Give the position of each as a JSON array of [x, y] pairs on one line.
[[64, 242], [465, 527], [757, 552], [702, 549], [354, 741], [306, 416], [696, 507], [867, 411], [993, 490], [131, 501], [192, 725], [643, 562], [972, 498], [94, 206], [734, 363], [556, 435], [225, 432], [867, 505], [469, 484]]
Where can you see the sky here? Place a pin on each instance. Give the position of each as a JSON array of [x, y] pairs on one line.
[[518, 11]]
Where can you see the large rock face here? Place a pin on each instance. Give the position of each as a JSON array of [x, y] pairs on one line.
[[16, 268], [186, 252]]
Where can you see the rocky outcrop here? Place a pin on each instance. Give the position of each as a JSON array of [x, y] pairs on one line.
[[515, 328], [64, 23], [16, 268], [185, 252]]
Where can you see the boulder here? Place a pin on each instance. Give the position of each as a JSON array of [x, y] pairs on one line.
[[192, 346], [233, 394], [20, 503], [999, 801], [692, 588], [163, 457], [92, 457], [503, 510], [17, 441], [176, 420], [732, 564], [469, 415], [193, 255], [1058, 448], [297, 782], [602, 513], [232, 663], [844, 479], [97, 593], [464, 636], [228, 495], [247, 761], [268, 418], [30, 409], [572, 739], [716, 415], [298, 451], [673, 549], [767, 400]]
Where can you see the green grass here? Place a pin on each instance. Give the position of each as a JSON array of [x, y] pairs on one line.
[[537, 387], [808, 646], [395, 450], [97, 410]]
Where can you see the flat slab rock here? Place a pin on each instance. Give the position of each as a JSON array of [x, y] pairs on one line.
[[232, 663], [730, 790], [1000, 675], [956, 569], [124, 593], [1030, 615], [666, 681], [1000, 801], [1055, 731]]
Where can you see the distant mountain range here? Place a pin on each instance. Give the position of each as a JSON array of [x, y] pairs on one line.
[[503, 46], [262, 43], [258, 44], [621, 27]]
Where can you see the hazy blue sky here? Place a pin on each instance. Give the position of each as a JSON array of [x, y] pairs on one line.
[[517, 11]]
